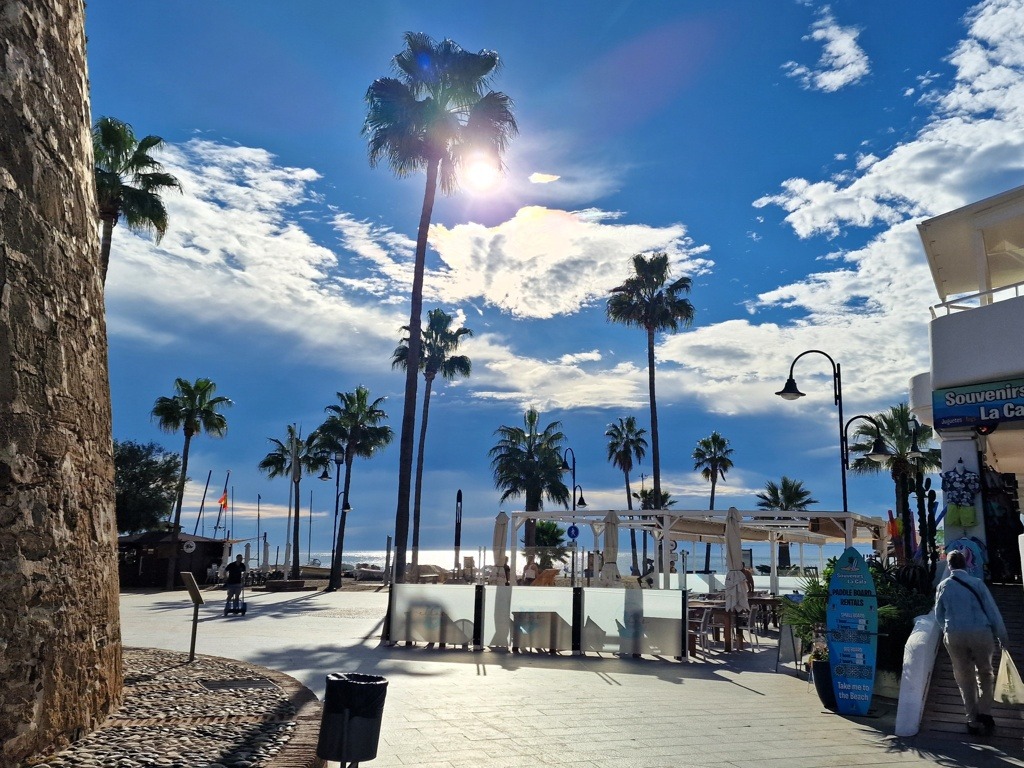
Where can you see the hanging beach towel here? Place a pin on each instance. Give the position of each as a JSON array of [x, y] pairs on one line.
[[1009, 687]]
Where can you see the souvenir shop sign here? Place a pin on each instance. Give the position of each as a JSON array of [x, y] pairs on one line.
[[851, 620], [976, 404]]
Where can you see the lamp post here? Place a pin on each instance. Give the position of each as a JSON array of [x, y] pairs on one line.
[[576, 503], [790, 392], [458, 528], [334, 580], [879, 450], [567, 467]]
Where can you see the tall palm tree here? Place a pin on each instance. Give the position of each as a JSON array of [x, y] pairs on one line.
[[352, 429], [293, 457], [626, 442], [431, 117], [648, 300], [527, 462], [711, 457], [439, 342], [786, 495], [898, 435], [194, 409], [129, 181]]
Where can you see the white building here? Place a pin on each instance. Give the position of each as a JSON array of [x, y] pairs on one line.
[[974, 394]]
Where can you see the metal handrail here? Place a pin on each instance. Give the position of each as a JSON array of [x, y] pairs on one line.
[[956, 305]]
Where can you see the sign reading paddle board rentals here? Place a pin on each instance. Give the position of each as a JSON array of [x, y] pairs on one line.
[[852, 625]]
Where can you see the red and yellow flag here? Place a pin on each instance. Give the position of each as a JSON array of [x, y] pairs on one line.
[[223, 501]]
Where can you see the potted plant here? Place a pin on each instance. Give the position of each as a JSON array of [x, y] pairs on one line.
[[821, 670]]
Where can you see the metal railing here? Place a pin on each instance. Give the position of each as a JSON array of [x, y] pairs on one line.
[[975, 300]]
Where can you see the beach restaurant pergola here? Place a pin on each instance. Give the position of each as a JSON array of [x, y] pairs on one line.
[[708, 526]]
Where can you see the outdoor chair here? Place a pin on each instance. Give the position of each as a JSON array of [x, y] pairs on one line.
[[750, 622], [546, 578]]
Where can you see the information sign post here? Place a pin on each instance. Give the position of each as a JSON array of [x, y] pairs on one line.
[[197, 599]]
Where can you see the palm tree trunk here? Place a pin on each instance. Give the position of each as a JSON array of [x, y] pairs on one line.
[[295, 533], [412, 370], [429, 381], [340, 548], [632, 530], [108, 232], [172, 561], [707, 547], [655, 449]]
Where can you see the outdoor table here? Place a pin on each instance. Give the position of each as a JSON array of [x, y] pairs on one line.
[[726, 618], [769, 605]]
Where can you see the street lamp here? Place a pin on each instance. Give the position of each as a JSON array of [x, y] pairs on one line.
[[879, 450], [791, 392], [567, 467], [578, 502], [334, 580]]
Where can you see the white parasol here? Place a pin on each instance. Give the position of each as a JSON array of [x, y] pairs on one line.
[[500, 539], [735, 580], [610, 569]]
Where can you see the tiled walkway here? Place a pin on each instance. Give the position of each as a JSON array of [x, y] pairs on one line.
[[455, 709]]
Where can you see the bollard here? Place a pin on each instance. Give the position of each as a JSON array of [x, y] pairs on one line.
[[353, 710]]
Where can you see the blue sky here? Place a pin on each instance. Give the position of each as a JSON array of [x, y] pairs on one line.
[[781, 152]]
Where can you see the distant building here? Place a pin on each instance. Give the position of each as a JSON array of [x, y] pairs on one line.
[[142, 557]]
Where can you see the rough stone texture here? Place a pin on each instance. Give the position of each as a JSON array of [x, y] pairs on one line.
[[60, 647]]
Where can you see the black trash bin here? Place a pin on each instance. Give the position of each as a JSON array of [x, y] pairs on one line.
[[353, 710]]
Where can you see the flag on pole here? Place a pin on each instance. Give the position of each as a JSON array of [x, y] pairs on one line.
[[223, 501]]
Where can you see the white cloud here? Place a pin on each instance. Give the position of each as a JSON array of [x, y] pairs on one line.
[[842, 61], [975, 134], [234, 255], [580, 357], [545, 262], [542, 178]]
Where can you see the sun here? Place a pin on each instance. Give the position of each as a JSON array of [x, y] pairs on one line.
[[481, 175]]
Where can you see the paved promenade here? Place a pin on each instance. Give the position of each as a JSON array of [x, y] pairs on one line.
[[454, 709]]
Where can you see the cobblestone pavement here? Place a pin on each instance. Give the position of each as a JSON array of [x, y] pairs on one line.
[[211, 712]]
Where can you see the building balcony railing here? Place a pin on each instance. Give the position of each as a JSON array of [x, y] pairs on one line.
[[975, 300]]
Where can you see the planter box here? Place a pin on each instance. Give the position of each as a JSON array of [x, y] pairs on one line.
[[285, 585]]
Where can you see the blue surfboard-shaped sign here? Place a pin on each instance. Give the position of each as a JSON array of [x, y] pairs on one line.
[[852, 627]]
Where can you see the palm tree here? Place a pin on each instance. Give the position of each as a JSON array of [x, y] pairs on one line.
[[352, 429], [128, 182], [193, 409], [898, 435], [431, 117], [550, 543], [787, 495], [626, 442], [527, 462], [291, 458], [439, 341], [647, 300], [646, 498], [711, 457]]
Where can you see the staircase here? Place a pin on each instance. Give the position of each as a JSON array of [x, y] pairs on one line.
[[944, 709]]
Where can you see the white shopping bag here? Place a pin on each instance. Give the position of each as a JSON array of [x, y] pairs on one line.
[[1009, 686]]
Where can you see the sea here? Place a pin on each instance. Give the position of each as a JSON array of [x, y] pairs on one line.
[[757, 553]]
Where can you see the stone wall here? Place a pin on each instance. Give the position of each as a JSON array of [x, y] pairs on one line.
[[60, 646]]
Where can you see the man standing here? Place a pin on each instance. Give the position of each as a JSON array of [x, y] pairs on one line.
[[971, 624], [233, 581]]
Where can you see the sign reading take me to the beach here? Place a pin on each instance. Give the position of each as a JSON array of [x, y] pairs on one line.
[[852, 626]]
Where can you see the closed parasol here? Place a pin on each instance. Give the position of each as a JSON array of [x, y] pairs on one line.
[[500, 539], [610, 569], [735, 579]]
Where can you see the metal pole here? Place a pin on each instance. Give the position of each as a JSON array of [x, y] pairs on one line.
[[844, 451], [458, 529], [202, 504]]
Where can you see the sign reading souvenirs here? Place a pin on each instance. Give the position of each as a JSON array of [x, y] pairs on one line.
[[852, 627], [976, 404]]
